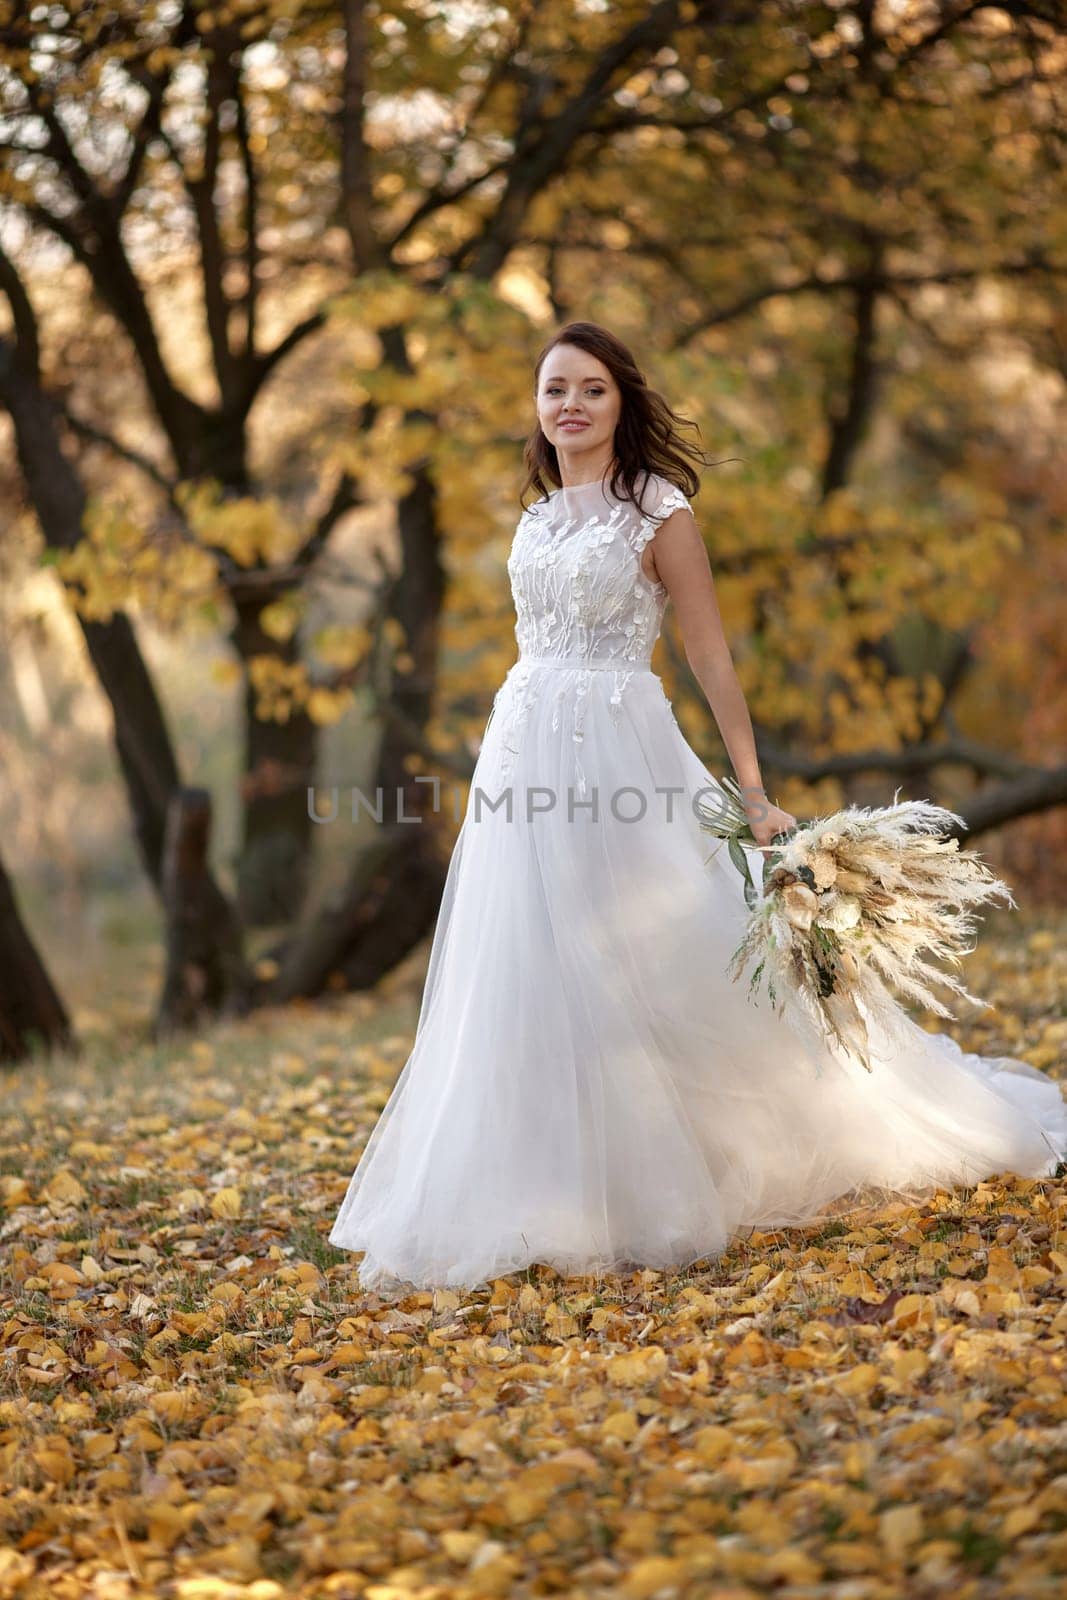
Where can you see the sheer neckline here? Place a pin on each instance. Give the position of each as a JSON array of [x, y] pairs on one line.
[[590, 483], [607, 494]]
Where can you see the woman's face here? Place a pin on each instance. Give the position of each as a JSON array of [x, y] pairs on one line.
[[578, 405]]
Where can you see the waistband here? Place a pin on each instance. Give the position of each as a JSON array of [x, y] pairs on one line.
[[601, 664]]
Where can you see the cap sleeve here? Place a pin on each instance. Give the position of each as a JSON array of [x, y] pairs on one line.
[[660, 497]]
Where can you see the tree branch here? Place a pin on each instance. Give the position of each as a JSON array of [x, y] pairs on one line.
[[357, 184], [438, 198], [848, 421], [344, 499], [201, 192], [542, 144], [1026, 789], [894, 283], [440, 195], [916, 758], [27, 351], [248, 165], [125, 452], [264, 364], [1041, 789], [155, 86]]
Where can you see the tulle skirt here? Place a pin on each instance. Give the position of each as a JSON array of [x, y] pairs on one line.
[[587, 1087]]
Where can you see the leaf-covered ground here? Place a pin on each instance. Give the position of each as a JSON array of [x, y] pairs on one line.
[[198, 1401]]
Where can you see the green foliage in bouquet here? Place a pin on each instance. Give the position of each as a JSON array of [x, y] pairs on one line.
[[729, 820]]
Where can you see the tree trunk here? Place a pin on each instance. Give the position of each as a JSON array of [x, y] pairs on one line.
[[205, 971], [416, 605], [279, 768], [407, 909], [31, 1012], [142, 739], [279, 757], [393, 891], [142, 742]]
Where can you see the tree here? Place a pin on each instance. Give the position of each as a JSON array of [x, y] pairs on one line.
[[778, 201], [64, 83], [904, 160], [31, 1012], [142, 740], [203, 135]]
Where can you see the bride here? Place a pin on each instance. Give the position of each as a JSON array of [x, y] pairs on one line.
[[587, 1088]]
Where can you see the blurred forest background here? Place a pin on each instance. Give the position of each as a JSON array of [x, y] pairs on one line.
[[274, 276]]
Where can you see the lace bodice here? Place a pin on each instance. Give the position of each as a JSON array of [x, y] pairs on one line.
[[575, 571], [582, 602]]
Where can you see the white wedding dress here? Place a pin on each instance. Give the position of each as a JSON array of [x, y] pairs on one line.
[[587, 1087]]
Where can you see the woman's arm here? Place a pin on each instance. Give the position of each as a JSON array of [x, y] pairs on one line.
[[679, 560]]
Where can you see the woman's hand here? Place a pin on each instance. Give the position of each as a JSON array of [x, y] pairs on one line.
[[764, 819]]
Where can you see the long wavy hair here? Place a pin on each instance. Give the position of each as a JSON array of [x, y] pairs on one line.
[[648, 434]]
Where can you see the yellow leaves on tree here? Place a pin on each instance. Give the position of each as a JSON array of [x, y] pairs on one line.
[[119, 564], [283, 687], [280, 686], [251, 529], [343, 647], [279, 619]]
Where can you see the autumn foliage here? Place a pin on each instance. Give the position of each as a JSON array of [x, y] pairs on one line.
[[199, 1401]]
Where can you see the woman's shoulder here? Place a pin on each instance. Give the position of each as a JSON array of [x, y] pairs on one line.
[[659, 496]]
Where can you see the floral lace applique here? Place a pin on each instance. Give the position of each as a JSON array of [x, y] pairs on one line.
[[673, 500], [519, 701], [580, 592]]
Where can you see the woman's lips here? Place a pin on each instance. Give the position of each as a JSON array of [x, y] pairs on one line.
[[573, 427]]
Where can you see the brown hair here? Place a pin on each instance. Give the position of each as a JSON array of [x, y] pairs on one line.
[[647, 435]]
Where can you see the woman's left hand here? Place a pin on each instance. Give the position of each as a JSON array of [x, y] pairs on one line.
[[766, 820]]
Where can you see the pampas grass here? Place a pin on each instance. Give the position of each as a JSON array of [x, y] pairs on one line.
[[859, 909]]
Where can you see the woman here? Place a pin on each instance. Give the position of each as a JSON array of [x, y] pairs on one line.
[[587, 1088]]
